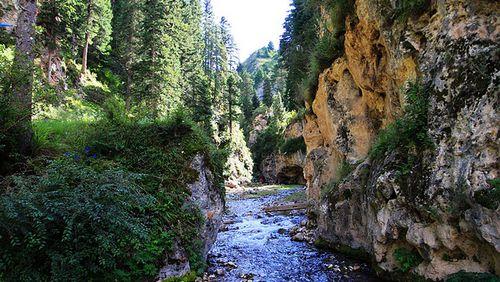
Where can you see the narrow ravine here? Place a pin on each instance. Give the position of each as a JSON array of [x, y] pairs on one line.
[[257, 246]]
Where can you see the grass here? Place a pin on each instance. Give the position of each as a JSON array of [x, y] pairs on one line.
[[264, 191], [60, 136], [296, 197]]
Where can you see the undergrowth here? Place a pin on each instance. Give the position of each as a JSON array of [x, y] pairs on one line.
[[409, 132], [407, 259], [293, 145], [407, 8], [107, 203], [463, 276]]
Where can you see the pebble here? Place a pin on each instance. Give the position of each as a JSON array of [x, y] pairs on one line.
[[220, 272], [299, 237], [231, 264]]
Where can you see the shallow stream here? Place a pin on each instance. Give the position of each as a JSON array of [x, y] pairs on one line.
[[255, 245]]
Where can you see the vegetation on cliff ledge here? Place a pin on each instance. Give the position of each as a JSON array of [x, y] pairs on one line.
[[110, 209]]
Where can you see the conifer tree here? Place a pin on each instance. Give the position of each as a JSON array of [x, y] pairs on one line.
[[127, 16], [268, 92], [159, 71]]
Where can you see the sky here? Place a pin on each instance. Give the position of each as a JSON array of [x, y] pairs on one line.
[[254, 22]]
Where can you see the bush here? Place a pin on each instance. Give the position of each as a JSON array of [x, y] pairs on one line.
[[109, 210], [293, 145], [407, 259], [489, 198], [408, 132], [74, 222], [408, 8], [329, 46], [343, 171], [268, 142]]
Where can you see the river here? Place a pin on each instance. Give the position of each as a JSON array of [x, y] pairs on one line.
[[256, 246]]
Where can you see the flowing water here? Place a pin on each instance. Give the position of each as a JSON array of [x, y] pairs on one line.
[[255, 245]]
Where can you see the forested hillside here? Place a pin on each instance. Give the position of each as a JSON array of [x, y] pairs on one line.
[[114, 116]]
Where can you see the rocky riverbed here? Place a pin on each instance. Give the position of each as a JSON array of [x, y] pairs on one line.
[[255, 245]]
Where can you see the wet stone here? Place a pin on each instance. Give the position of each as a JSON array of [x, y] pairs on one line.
[[258, 246]]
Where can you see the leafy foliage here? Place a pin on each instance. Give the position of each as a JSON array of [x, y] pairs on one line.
[[408, 132], [407, 8], [407, 259], [73, 223], [489, 198], [293, 145], [109, 210], [267, 143]]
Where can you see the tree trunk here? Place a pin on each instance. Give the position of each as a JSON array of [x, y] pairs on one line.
[[49, 69], [230, 114], [22, 76], [87, 38]]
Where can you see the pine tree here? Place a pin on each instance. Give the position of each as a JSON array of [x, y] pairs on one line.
[[97, 28], [195, 83], [268, 92], [126, 24], [228, 41], [247, 92], [159, 72], [296, 46]]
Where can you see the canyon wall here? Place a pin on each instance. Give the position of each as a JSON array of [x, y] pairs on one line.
[[282, 168], [206, 197], [438, 212]]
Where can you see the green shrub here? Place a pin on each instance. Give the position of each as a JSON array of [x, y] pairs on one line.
[[489, 198], [109, 210], [268, 142], [463, 276], [343, 171], [293, 145], [408, 8], [408, 132], [407, 259], [329, 46], [74, 222]]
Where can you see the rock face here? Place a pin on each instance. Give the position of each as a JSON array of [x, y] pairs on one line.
[[210, 202], [286, 168], [440, 214], [9, 10]]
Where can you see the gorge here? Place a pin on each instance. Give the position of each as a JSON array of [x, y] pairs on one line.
[[136, 146]]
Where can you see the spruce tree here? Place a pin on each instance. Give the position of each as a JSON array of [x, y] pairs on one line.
[[268, 92], [127, 16]]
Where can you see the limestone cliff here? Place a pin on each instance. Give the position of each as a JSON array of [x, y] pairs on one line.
[[438, 214], [206, 197], [283, 168]]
